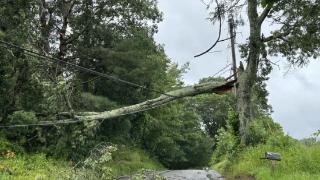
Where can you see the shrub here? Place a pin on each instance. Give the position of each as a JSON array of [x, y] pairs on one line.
[[261, 129], [226, 147], [6, 146], [22, 135], [22, 117]]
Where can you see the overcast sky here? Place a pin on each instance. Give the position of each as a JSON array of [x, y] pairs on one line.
[[185, 31]]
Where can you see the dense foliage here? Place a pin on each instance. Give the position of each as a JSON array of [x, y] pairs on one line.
[[116, 38], [112, 37]]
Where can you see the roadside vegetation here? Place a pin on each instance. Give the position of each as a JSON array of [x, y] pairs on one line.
[[64, 63], [105, 161], [300, 159]]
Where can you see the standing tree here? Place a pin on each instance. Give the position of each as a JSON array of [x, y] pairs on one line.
[[296, 39], [115, 31]]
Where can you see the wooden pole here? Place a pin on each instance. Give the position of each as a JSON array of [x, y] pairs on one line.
[[232, 35]]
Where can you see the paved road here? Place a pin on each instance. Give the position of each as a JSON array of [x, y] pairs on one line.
[[184, 175], [191, 175]]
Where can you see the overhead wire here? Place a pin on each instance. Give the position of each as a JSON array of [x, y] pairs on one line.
[[221, 70], [219, 33], [55, 60], [68, 121], [77, 120]]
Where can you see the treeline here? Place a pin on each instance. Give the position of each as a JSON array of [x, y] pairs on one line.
[[115, 38], [111, 37]]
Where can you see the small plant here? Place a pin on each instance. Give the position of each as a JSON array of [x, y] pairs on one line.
[[96, 165]]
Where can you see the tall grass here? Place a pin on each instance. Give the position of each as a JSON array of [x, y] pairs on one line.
[[31, 167], [18, 165], [299, 161]]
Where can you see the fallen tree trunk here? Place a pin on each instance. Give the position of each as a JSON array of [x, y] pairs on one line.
[[212, 87]]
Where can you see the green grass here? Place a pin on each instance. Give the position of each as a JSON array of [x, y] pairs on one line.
[[31, 167], [20, 165], [125, 161], [129, 160], [299, 162]]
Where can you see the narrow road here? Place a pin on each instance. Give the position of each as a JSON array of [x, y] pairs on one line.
[[191, 175], [183, 175]]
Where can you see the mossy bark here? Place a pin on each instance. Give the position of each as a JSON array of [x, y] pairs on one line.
[[248, 77]]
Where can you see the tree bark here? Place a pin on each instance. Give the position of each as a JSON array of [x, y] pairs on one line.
[[212, 87], [248, 77]]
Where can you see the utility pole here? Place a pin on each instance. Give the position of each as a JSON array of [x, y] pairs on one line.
[[232, 35], [232, 44]]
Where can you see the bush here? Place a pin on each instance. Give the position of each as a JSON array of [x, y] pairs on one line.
[[6, 146], [261, 129], [22, 117], [226, 143], [225, 149], [22, 135]]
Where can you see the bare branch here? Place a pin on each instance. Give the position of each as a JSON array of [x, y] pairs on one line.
[[276, 36], [264, 14], [235, 5], [220, 26]]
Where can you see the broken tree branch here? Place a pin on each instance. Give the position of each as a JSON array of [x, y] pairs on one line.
[[212, 87]]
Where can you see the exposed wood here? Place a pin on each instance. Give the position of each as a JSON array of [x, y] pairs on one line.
[[212, 87]]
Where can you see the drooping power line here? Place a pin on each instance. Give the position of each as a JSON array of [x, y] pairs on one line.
[[67, 121], [84, 69], [76, 120]]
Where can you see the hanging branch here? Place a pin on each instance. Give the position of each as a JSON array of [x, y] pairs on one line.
[[218, 39]]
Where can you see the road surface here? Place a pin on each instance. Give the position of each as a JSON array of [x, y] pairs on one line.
[[184, 175]]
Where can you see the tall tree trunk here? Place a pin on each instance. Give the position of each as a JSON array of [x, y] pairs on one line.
[[248, 77]]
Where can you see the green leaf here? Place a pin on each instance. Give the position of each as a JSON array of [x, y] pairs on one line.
[[266, 3], [1, 34]]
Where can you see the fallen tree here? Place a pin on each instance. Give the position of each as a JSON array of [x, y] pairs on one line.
[[211, 87]]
